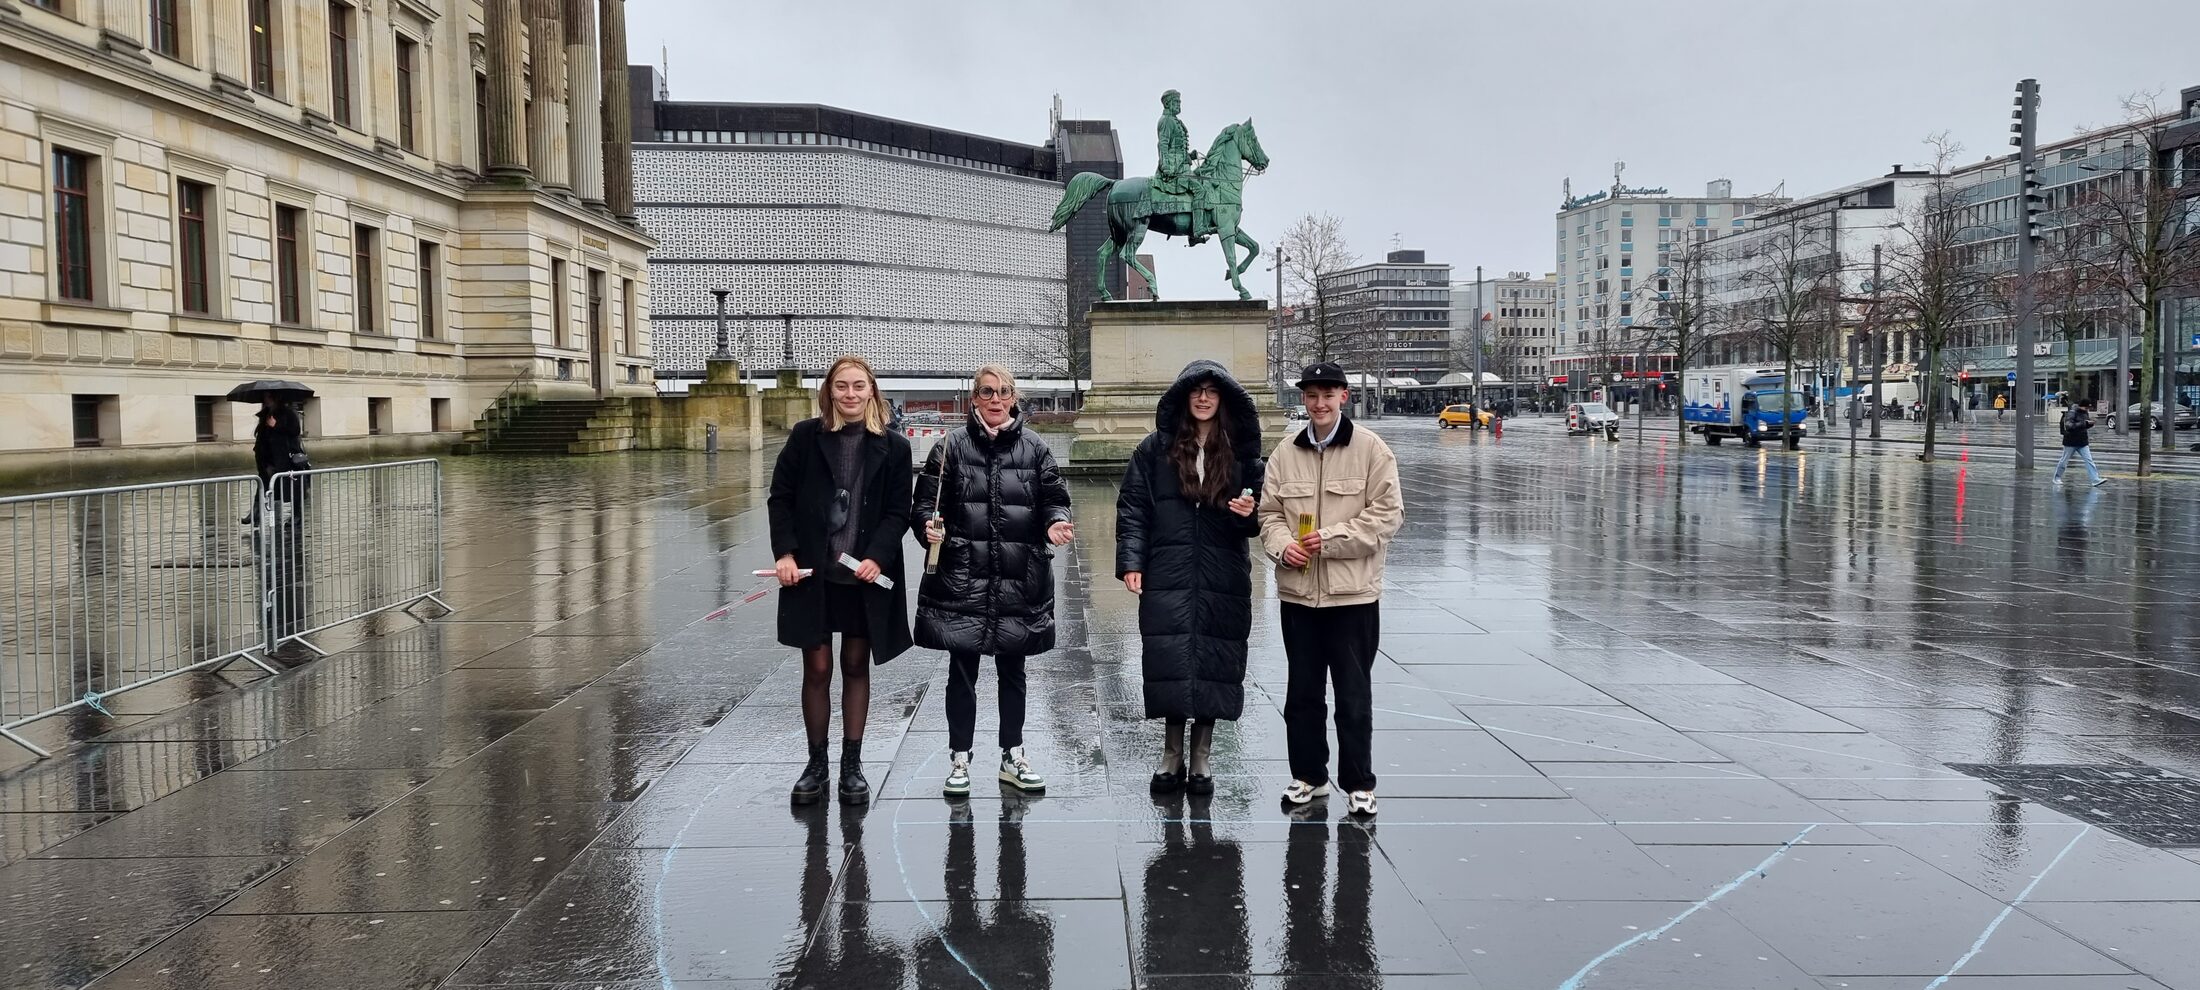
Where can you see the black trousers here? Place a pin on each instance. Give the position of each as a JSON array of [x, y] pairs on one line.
[[1328, 648], [962, 700]]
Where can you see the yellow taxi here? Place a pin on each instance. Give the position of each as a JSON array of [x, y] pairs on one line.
[[1454, 417]]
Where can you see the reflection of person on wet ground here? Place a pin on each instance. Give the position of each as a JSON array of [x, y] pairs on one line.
[[1194, 918], [1327, 930], [847, 953], [1007, 939], [841, 489]]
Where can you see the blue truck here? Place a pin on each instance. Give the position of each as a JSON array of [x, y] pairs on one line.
[[1750, 404]]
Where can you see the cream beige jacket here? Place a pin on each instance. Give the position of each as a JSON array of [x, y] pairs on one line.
[[1351, 488]]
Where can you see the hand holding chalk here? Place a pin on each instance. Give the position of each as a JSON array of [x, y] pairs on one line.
[[849, 561]]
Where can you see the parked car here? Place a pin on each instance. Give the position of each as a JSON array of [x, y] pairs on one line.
[[2186, 418], [1297, 414], [1453, 417], [925, 417]]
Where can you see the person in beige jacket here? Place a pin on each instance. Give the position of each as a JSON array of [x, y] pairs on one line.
[[1328, 508]]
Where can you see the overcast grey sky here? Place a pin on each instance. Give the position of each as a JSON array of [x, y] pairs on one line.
[[1450, 124]]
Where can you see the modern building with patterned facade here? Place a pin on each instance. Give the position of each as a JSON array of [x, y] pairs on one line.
[[390, 202], [925, 250]]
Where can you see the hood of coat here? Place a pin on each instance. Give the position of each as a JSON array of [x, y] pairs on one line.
[[1244, 417]]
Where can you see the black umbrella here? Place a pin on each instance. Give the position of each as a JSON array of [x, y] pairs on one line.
[[279, 389]]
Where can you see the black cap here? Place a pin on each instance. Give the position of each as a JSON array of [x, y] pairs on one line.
[[1323, 373]]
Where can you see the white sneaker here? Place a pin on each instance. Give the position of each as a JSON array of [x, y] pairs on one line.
[[1016, 771], [958, 777], [1301, 792], [2058, 482], [1363, 803], [2098, 482]]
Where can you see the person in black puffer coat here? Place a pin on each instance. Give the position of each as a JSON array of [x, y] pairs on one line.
[[1182, 520], [1000, 502]]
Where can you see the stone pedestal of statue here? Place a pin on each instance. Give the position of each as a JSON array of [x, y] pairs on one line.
[[1137, 350]]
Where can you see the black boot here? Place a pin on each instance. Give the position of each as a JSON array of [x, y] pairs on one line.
[[853, 788], [811, 785]]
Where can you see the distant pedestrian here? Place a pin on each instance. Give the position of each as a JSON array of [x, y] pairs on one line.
[[1328, 509], [2001, 406], [840, 488], [992, 496], [278, 446], [2077, 429], [1181, 526]]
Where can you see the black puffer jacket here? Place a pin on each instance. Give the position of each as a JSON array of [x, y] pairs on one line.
[[994, 593], [1197, 609]]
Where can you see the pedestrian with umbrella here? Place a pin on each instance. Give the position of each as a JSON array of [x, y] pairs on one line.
[[278, 439]]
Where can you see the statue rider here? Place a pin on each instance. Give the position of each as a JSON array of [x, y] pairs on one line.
[[1175, 188]]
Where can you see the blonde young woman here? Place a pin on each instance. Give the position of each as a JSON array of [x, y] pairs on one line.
[[841, 487]]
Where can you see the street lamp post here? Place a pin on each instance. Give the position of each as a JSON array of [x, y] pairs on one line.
[[723, 353], [786, 343]]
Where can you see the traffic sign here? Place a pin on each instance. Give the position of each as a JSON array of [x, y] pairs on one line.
[[2196, 340], [2012, 378]]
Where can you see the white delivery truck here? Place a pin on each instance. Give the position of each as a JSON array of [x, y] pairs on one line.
[[1746, 402]]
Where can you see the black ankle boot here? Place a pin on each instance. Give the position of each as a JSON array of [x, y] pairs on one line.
[[853, 788], [811, 785]]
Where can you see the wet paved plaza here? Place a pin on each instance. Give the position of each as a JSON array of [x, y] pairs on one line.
[[1723, 719]]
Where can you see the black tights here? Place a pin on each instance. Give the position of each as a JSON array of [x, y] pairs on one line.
[[855, 687]]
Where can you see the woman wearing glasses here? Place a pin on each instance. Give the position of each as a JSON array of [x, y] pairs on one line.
[[841, 488], [991, 495], [1182, 520]]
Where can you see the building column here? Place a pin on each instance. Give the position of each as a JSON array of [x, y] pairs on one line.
[[226, 36], [546, 115], [618, 115], [122, 28], [584, 102], [507, 155]]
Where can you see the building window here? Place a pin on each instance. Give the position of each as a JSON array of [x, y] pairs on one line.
[[439, 415], [94, 419], [339, 62], [378, 417], [206, 411], [164, 37], [364, 275], [626, 316], [595, 315], [557, 303], [72, 220], [408, 52], [263, 45], [481, 120], [191, 198], [288, 220], [431, 290]]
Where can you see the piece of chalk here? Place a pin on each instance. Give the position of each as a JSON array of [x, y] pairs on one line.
[[849, 561], [799, 573]]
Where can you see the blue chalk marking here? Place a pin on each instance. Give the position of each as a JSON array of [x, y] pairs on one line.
[[664, 870], [902, 865], [2008, 908], [1574, 982]]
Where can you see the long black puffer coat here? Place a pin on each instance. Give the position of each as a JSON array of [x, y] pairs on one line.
[[994, 593], [1197, 606]]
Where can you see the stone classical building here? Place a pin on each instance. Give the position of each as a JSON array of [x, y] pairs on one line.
[[409, 205]]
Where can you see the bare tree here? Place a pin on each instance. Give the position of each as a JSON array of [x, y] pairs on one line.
[[1932, 285], [1790, 283], [2067, 294], [2137, 239], [1314, 250], [1679, 321], [1052, 345]]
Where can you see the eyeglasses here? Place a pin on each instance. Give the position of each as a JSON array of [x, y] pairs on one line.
[[989, 392], [1206, 391]]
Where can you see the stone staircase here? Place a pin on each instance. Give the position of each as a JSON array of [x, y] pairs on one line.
[[523, 426]]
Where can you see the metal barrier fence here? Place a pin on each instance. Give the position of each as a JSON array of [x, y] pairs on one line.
[[110, 589], [346, 543]]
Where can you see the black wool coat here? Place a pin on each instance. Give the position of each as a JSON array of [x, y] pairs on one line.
[[1197, 608], [801, 496], [994, 591]]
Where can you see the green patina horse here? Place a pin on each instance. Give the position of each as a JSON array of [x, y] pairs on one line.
[[1221, 183]]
